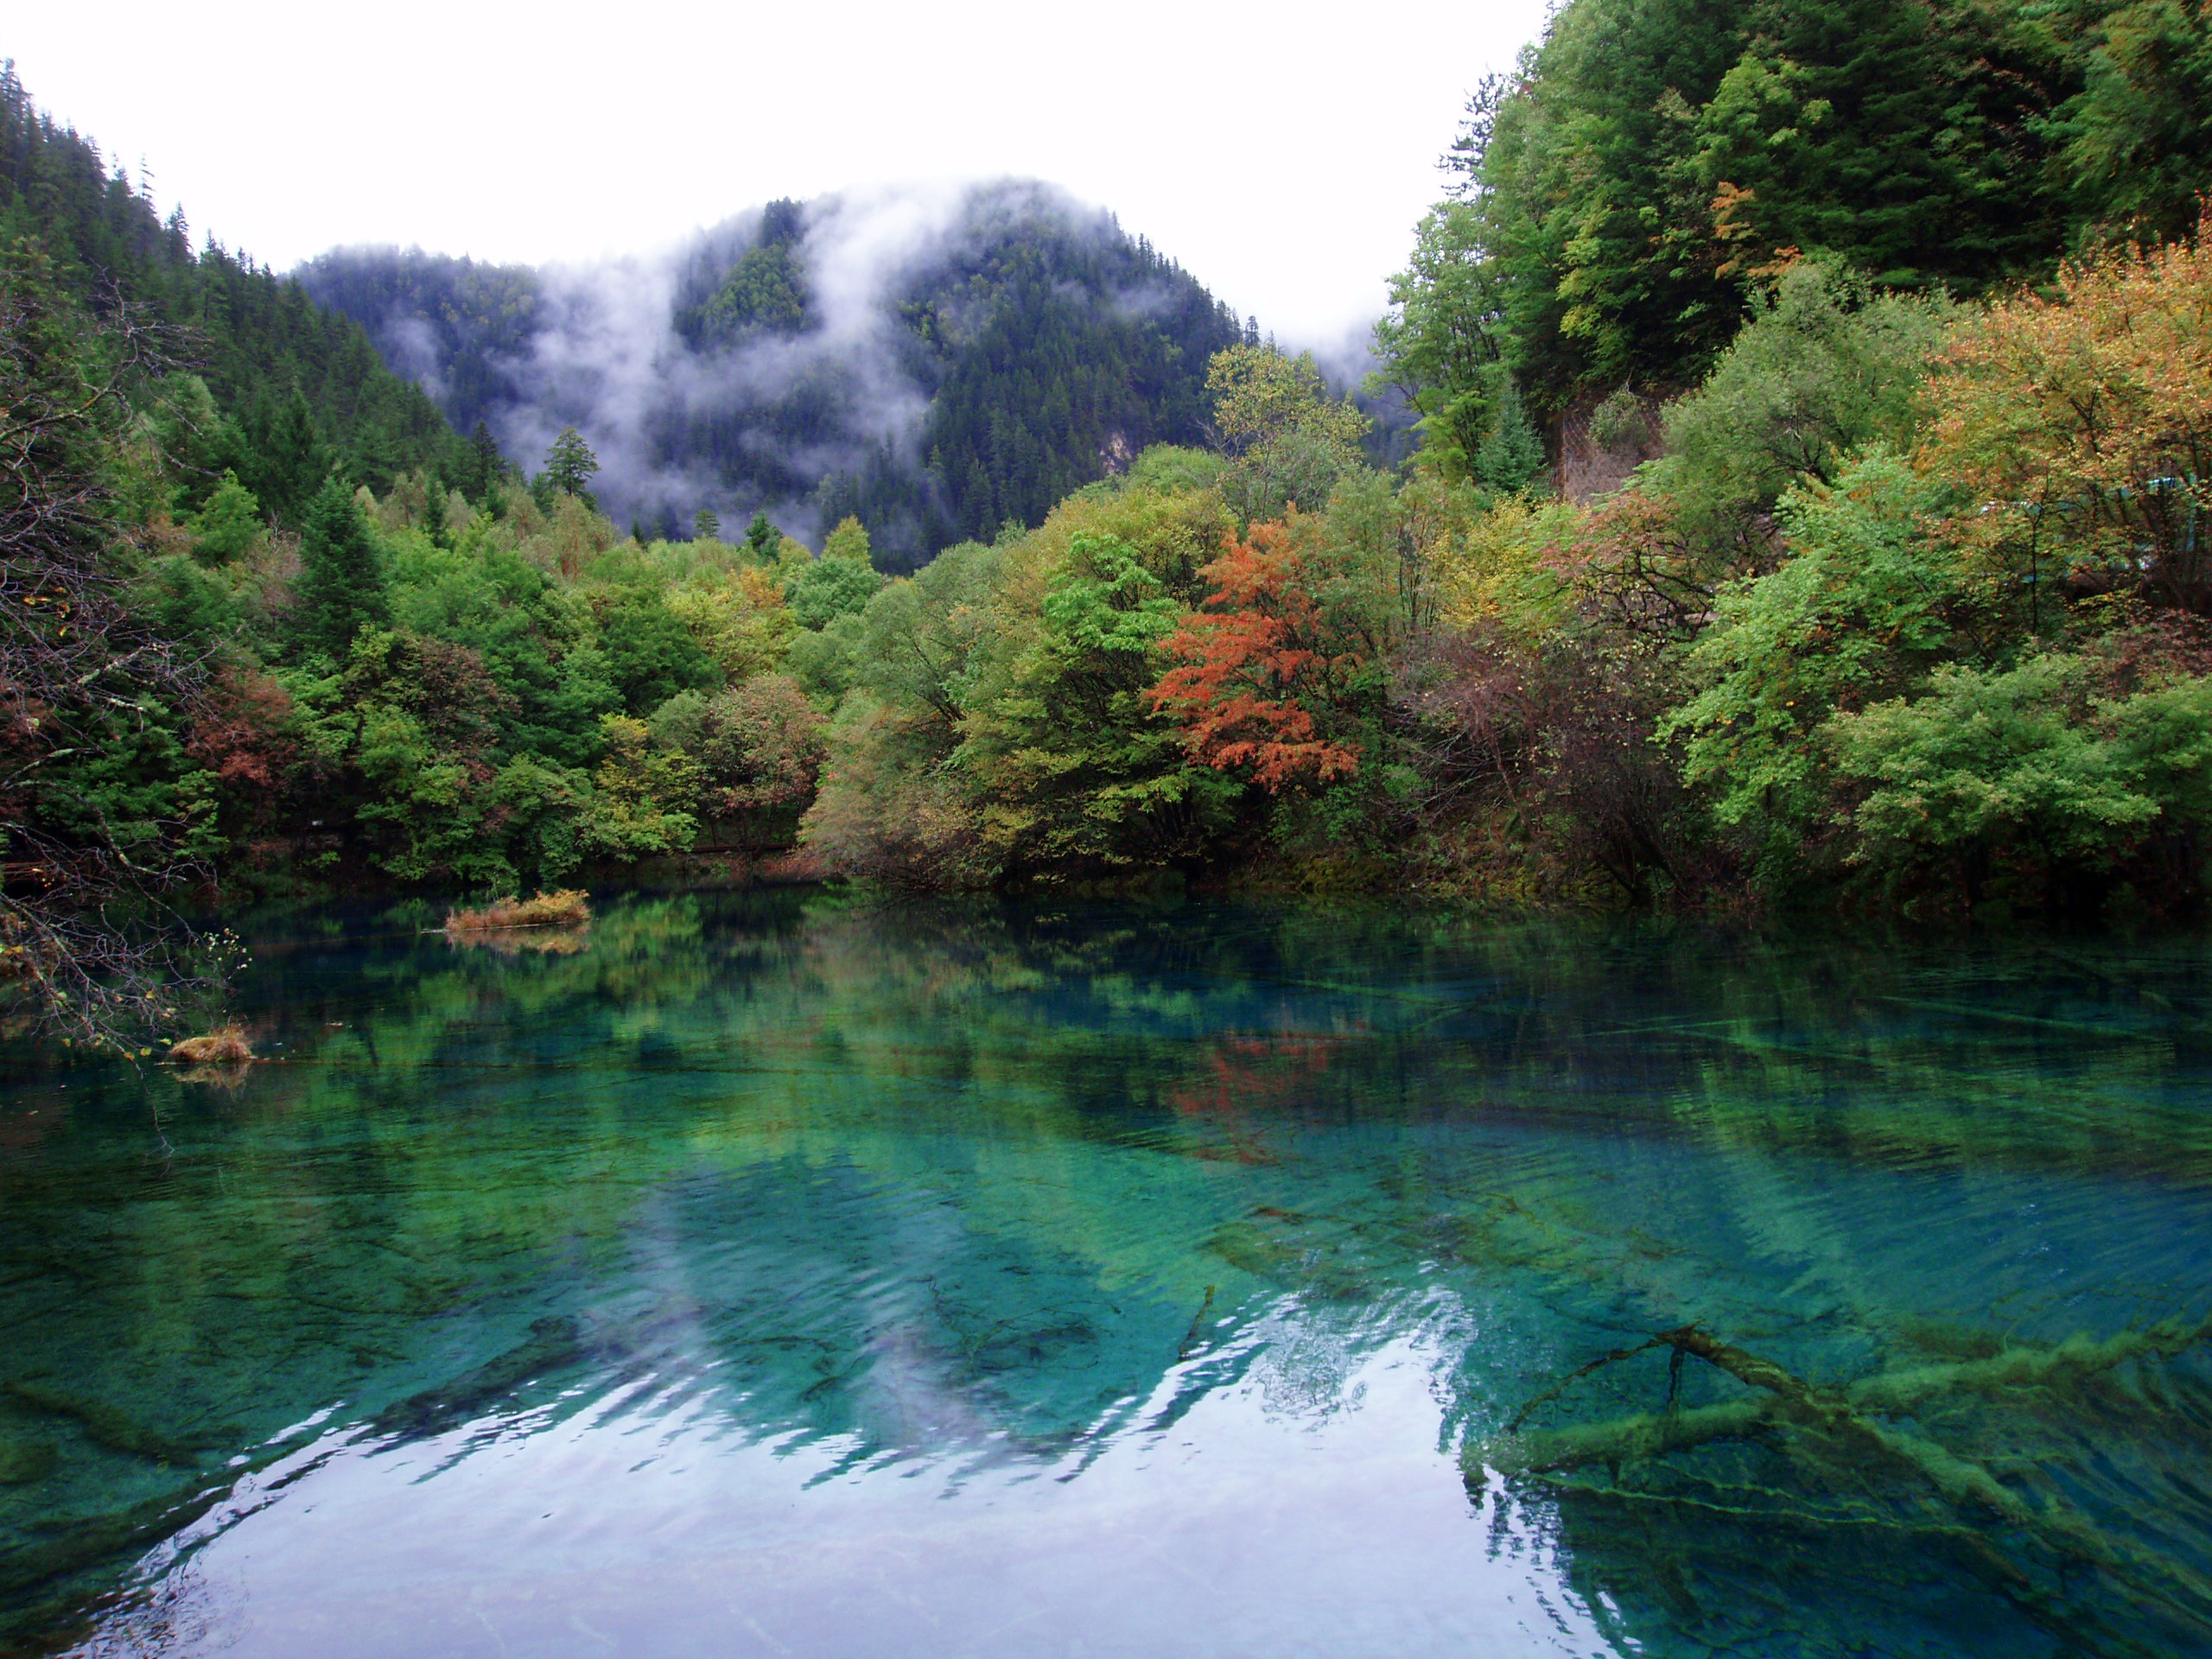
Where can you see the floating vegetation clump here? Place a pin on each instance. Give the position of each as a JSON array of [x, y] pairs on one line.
[[569, 907], [552, 923], [225, 1045], [524, 941]]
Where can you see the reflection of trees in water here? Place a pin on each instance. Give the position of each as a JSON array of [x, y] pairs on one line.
[[916, 1178], [1243, 1085]]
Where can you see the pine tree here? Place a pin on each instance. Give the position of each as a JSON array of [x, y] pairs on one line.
[[1512, 457], [276, 453], [760, 539], [340, 589], [485, 464], [706, 526], [434, 513], [569, 465]]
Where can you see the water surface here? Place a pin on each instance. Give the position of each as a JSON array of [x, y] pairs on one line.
[[786, 1275]]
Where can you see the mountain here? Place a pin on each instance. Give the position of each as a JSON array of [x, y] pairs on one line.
[[936, 365]]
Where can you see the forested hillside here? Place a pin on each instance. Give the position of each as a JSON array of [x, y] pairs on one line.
[[1650, 162], [1774, 540], [289, 387], [1019, 348]]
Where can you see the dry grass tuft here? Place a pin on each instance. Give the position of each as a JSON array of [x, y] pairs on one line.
[[570, 907], [225, 1046]]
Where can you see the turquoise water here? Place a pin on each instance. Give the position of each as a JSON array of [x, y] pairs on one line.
[[785, 1275]]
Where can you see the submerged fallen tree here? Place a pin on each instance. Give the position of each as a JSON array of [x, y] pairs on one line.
[[1787, 1399], [1863, 1432]]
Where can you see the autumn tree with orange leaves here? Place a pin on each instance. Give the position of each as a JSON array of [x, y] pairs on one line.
[[1262, 680]]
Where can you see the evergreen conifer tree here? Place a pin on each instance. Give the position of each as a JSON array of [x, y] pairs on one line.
[[761, 538], [434, 513], [569, 465], [485, 464], [228, 524], [341, 588], [275, 452], [1512, 457]]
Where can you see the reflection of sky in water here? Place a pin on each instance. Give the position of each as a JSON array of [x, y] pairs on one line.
[[1242, 1528], [776, 1276]]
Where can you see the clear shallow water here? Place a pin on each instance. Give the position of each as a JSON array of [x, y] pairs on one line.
[[780, 1275]]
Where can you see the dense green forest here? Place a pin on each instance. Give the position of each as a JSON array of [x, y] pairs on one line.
[[280, 389], [1648, 167], [1815, 419], [1039, 347]]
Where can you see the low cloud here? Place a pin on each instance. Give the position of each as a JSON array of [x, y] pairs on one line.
[[756, 422]]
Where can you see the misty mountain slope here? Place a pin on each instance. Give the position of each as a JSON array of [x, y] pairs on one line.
[[459, 329], [1052, 357], [937, 364]]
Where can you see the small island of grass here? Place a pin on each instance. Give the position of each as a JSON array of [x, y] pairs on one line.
[[225, 1045], [569, 907]]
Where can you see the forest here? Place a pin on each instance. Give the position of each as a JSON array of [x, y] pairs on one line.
[[1814, 407]]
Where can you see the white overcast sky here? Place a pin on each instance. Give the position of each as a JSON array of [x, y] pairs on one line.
[[1283, 154]]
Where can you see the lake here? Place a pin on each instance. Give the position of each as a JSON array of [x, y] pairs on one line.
[[790, 1275]]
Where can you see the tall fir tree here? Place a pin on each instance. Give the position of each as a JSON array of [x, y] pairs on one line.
[[484, 464], [1512, 457], [570, 466], [341, 584]]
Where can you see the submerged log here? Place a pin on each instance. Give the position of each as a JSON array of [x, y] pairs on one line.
[[1843, 1426], [82, 1545], [1884, 1392], [552, 1344], [105, 1425], [23, 1462]]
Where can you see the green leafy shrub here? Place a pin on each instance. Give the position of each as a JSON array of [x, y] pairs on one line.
[[2032, 772]]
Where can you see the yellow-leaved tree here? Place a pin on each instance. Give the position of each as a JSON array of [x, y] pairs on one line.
[[2080, 423], [1289, 441], [737, 617]]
